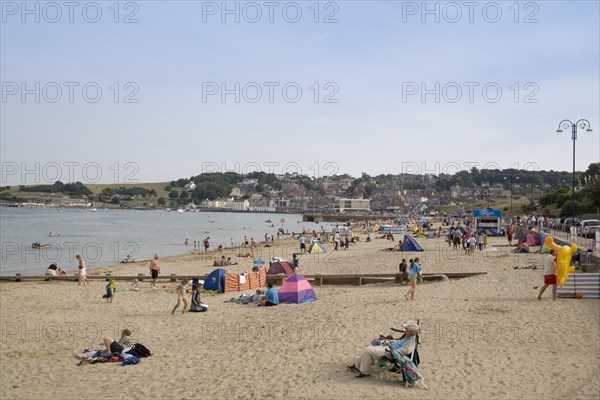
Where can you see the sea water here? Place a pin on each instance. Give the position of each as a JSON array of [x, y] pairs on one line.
[[106, 237]]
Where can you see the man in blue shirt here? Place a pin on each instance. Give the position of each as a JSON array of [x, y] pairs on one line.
[[271, 297]]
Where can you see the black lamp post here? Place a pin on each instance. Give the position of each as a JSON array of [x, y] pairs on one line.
[[511, 183], [520, 200], [581, 124]]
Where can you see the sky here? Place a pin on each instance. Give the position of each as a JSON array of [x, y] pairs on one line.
[[149, 91]]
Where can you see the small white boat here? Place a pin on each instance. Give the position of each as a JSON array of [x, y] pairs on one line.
[[179, 210], [93, 209]]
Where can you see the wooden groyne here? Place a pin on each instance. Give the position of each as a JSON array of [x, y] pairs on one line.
[[316, 279]]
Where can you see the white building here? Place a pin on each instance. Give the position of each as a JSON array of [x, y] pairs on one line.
[[340, 204], [229, 204], [241, 205]]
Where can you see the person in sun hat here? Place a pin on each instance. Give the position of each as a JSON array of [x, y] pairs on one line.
[[371, 354]]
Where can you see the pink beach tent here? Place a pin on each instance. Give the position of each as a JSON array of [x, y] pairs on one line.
[[296, 289], [280, 267]]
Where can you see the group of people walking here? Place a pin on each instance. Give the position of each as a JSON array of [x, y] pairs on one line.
[[467, 240]]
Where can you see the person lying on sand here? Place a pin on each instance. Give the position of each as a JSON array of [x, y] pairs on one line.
[[128, 259], [522, 248], [55, 270], [113, 346]]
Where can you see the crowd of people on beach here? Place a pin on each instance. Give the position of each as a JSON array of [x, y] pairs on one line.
[[459, 236], [466, 238]]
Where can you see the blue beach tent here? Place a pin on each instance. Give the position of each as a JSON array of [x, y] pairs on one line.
[[410, 244], [215, 281]]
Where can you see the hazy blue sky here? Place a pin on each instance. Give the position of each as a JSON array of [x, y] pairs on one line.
[[370, 61]]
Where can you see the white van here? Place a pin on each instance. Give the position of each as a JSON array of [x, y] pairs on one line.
[[589, 227]]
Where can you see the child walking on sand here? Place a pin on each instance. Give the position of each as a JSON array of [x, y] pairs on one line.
[[181, 293], [82, 271], [110, 290], [413, 275]]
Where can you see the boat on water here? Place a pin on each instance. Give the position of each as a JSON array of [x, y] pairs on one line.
[[268, 221], [94, 205], [179, 210]]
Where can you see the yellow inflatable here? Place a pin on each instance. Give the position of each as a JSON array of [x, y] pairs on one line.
[[563, 260]]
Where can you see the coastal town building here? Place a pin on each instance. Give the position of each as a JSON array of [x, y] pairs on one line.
[[343, 204]]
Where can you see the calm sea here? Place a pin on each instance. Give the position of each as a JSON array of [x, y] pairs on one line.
[[106, 237]]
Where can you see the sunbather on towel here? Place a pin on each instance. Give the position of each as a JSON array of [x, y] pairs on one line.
[[113, 346], [373, 353]]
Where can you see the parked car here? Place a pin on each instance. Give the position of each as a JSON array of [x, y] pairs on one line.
[[572, 222], [589, 227], [565, 224]]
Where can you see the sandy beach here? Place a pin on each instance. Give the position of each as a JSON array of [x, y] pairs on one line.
[[482, 337]]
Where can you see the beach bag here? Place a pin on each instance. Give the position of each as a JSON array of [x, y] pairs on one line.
[[131, 361], [141, 350]]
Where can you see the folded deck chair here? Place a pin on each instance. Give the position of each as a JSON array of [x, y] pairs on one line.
[[407, 366]]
